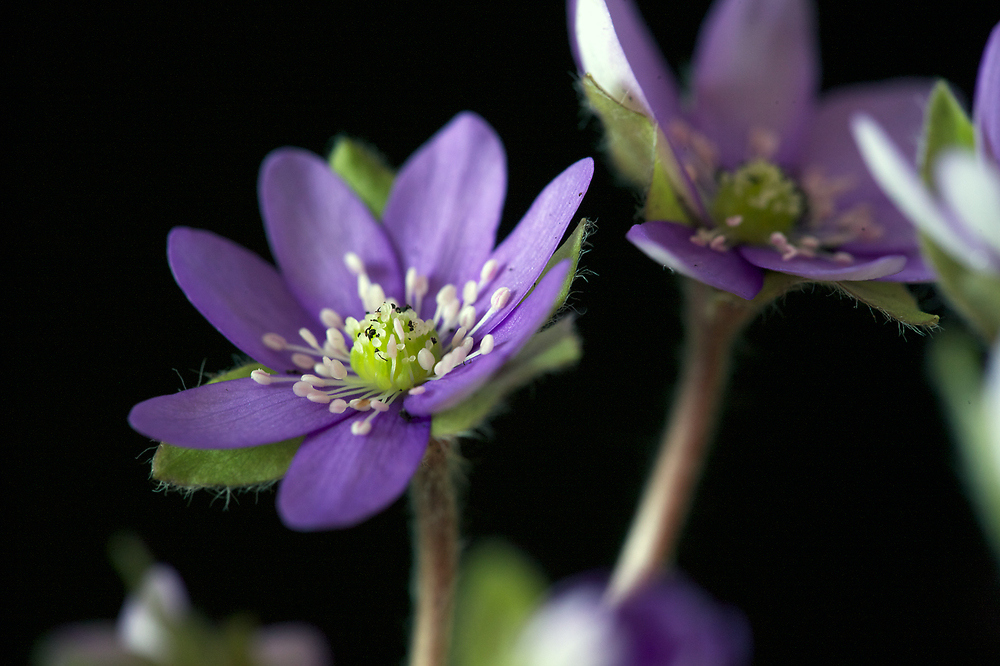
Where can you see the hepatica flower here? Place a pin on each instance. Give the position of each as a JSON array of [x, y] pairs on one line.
[[370, 328], [666, 623], [752, 173], [957, 206]]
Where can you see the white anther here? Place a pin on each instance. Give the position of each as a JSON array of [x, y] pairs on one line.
[[778, 240], [449, 313], [318, 397], [488, 272], [470, 292], [312, 380], [843, 257], [374, 297], [361, 427], [426, 359], [443, 367], [499, 298], [362, 405], [335, 368], [274, 341], [330, 318], [309, 338], [397, 325], [364, 284], [718, 244], [467, 316], [459, 335], [458, 355], [486, 344], [335, 339], [734, 220], [390, 349], [303, 361], [379, 406], [354, 263], [467, 343], [260, 377], [338, 406], [301, 389], [446, 294], [809, 242], [417, 390]]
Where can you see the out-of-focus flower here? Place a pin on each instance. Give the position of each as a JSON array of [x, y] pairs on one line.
[[157, 626], [670, 622], [755, 174], [957, 207], [374, 328]]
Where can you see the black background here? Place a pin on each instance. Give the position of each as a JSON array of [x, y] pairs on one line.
[[830, 511]]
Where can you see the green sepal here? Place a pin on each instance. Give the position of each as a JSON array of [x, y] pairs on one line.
[[661, 200], [191, 469], [499, 589], [975, 295], [891, 299], [547, 351], [629, 136], [572, 249], [946, 127], [956, 365], [364, 170]]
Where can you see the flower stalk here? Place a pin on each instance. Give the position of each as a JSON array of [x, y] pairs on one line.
[[713, 320], [435, 526]]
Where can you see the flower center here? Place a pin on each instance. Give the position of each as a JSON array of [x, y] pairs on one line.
[[394, 349], [756, 201]]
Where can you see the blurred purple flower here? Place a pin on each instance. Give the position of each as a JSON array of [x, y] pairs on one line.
[[768, 176], [157, 618], [670, 622], [381, 353], [964, 218]]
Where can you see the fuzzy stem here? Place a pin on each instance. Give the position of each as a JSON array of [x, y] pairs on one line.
[[435, 509], [713, 320]]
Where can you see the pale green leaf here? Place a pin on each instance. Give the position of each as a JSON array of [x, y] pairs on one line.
[[364, 170], [891, 299], [946, 126]]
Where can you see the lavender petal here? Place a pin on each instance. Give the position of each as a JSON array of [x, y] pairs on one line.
[[338, 479], [986, 102], [229, 415], [823, 269]]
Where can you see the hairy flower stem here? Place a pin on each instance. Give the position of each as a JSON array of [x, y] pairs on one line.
[[713, 319], [435, 510]]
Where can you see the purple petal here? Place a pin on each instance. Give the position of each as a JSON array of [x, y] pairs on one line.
[[669, 243], [239, 293], [445, 204], [756, 66], [523, 254], [916, 270], [611, 42], [313, 219], [338, 479], [986, 102], [512, 334], [898, 106], [290, 644], [821, 269], [229, 415]]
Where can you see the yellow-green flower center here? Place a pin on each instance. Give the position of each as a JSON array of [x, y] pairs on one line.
[[755, 201], [394, 349]]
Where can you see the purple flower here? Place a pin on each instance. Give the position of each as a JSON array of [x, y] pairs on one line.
[[157, 626], [670, 622], [766, 177], [372, 327], [964, 221]]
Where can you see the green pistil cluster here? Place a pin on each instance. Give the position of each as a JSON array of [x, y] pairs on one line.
[[394, 349], [756, 201]]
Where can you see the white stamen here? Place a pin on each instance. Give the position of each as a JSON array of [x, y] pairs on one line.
[[260, 377], [379, 406], [318, 397], [486, 344], [390, 349], [843, 257], [488, 272], [338, 406], [354, 263], [459, 335], [362, 405], [426, 359], [470, 292], [417, 390], [499, 298], [397, 325], [361, 427], [734, 221], [274, 341], [330, 318], [718, 244], [309, 338], [467, 316], [303, 361], [335, 368], [301, 389]]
